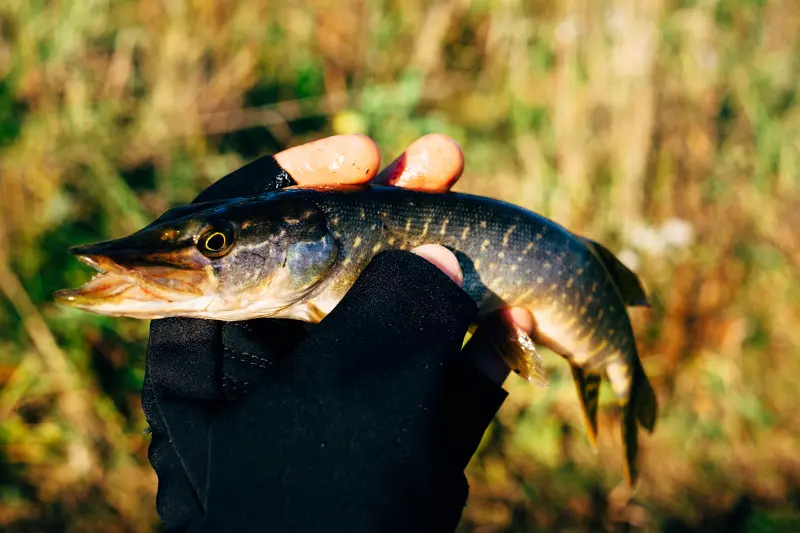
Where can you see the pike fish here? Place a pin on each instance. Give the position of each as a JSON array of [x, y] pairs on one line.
[[294, 253]]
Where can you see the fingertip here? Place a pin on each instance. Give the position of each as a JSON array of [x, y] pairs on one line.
[[431, 163], [521, 317], [336, 160], [443, 259]]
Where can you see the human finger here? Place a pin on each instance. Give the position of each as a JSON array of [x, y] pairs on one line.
[[443, 259], [521, 317], [336, 160], [431, 163]]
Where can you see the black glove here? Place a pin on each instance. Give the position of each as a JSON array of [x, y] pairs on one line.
[[363, 423]]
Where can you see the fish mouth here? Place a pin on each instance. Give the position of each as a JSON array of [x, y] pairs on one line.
[[140, 291]]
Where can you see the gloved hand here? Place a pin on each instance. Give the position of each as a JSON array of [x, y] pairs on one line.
[[364, 422]]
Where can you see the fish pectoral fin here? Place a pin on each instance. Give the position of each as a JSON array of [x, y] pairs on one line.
[[628, 283], [513, 345], [630, 443], [588, 387]]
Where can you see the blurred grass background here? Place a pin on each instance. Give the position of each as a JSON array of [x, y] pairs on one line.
[[667, 129]]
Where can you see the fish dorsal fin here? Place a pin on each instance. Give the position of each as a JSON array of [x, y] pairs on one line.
[[630, 288]]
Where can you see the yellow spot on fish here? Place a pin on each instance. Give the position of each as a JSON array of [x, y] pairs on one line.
[[569, 323], [547, 265], [540, 279], [377, 247], [408, 225], [570, 283], [514, 268], [485, 245], [611, 331], [356, 242], [600, 347], [483, 223], [443, 231], [477, 263], [346, 261], [501, 255], [391, 240], [425, 227], [334, 220], [465, 232], [538, 236], [363, 214], [600, 314], [579, 272], [508, 235], [528, 248], [492, 265]]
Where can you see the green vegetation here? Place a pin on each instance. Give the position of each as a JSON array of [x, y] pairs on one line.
[[668, 129]]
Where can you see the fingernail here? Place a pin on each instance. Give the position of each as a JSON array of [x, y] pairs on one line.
[[443, 259]]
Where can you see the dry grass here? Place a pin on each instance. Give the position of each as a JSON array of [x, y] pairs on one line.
[[669, 130]]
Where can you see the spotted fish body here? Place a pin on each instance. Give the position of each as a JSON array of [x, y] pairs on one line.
[[575, 289]]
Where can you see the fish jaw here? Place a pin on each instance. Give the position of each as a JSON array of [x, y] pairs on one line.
[[143, 292], [162, 292]]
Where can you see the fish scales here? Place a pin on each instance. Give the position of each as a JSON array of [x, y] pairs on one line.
[[529, 267]]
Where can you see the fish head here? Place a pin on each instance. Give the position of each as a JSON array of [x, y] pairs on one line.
[[228, 260]]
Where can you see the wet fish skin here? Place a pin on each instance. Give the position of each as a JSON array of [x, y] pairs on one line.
[[575, 289]]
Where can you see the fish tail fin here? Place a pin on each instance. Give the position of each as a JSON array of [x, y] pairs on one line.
[[637, 402], [512, 345], [644, 401], [628, 283], [588, 387]]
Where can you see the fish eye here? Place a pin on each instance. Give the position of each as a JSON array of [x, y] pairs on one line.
[[216, 242]]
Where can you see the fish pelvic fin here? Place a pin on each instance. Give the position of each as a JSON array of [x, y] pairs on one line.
[[628, 283], [512, 345], [588, 387]]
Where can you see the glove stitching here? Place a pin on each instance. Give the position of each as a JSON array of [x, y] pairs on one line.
[[256, 361]]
